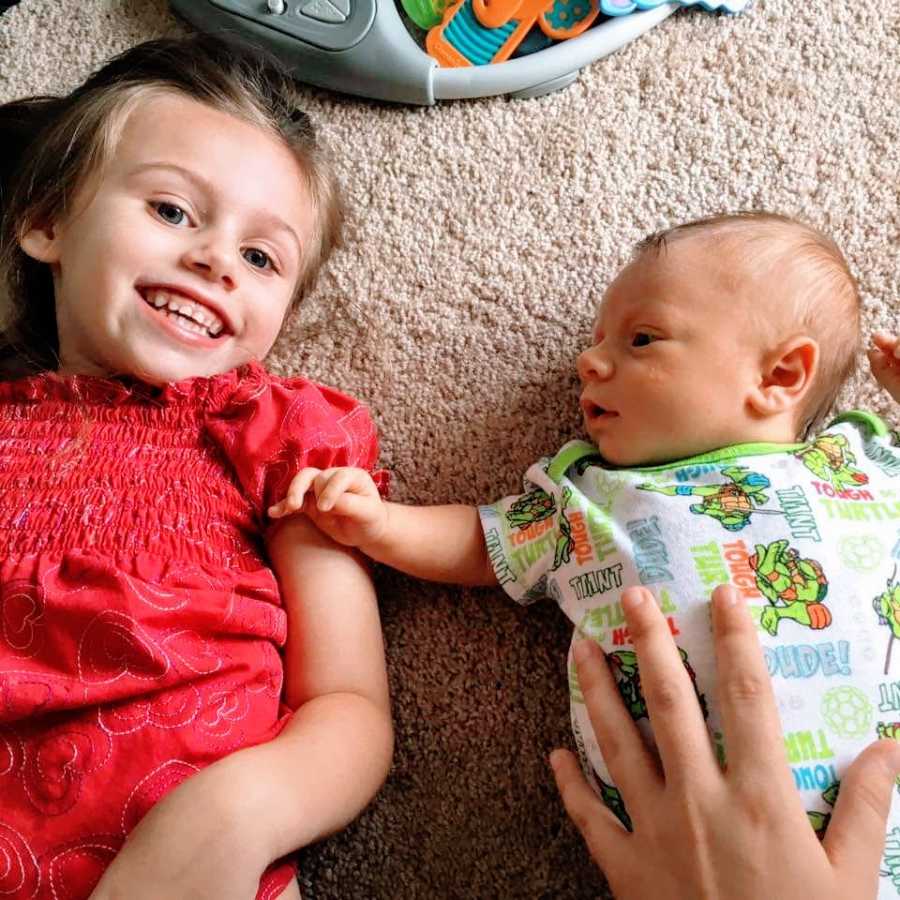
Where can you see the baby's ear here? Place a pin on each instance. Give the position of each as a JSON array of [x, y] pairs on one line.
[[786, 376], [41, 243]]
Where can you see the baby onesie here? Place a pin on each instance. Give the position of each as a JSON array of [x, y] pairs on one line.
[[808, 533]]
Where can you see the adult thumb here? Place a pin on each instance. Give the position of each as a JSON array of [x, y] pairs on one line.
[[854, 840]]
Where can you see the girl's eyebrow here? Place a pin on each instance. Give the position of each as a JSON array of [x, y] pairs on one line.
[[267, 218]]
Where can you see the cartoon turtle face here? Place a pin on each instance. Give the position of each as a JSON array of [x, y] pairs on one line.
[[832, 447], [829, 457], [794, 587], [530, 508]]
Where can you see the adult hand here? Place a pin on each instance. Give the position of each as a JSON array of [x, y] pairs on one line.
[[884, 360], [699, 831]]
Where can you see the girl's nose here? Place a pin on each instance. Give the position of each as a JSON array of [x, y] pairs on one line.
[[594, 365], [211, 260]]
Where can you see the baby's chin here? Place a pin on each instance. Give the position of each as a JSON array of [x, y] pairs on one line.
[[631, 458]]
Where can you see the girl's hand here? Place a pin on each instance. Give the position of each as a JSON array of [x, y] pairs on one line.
[[699, 831], [884, 360], [344, 503]]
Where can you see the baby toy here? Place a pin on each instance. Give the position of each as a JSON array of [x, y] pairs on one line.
[[479, 32], [364, 47]]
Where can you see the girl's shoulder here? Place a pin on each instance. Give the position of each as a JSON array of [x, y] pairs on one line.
[[252, 393], [271, 426]]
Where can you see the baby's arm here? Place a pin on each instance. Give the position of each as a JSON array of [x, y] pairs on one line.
[[884, 359], [213, 835], [437, 543]]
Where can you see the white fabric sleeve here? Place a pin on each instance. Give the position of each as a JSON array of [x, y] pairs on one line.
[[521, 533]]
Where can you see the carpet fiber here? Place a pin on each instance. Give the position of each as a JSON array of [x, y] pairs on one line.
[[482, 236]]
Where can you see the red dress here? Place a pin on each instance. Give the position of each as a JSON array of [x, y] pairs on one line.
[[140, 622]]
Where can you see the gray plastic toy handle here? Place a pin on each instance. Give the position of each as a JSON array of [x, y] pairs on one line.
[[372, 54], [550, 69]]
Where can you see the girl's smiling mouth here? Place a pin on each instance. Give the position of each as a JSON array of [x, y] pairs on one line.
[[184, 312]]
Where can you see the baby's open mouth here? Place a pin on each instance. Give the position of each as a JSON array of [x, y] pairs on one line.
[[595, 411], [191, 316]]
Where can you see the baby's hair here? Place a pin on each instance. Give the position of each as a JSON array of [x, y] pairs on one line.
[[827, 305], [55, 145]]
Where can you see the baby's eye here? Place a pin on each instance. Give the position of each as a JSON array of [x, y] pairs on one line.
[[642, 339], [258, 259], [169, 212]]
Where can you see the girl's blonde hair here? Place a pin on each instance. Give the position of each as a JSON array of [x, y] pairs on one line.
[[54, 145]]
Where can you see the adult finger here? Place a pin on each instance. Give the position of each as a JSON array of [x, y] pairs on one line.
[[886, 342], [604, 834], [631, 765], [854, 840], [672, 705], [750, 722]]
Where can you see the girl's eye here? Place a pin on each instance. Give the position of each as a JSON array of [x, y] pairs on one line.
[[169, 212], [258, 259], [642, 339]]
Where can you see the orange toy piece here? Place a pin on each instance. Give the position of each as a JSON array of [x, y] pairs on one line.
[[494, 13], [461, 40]]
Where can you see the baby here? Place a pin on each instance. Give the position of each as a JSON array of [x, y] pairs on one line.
[[716, 352]]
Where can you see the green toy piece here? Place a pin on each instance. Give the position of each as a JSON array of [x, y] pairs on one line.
[[794, 587], [425, 13]]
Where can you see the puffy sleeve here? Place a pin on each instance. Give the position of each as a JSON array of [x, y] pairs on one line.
[[269, 428], [522, 535]]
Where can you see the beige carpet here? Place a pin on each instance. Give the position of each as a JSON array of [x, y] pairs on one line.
[[482, 236]]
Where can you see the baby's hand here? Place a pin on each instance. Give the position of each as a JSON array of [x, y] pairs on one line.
[[884, 359], [344, 503]]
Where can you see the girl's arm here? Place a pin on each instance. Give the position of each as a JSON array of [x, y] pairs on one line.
[[212, 836], [437, 543], [336, 751]]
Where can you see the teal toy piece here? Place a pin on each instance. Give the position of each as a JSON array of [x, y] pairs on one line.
[[626, 7]]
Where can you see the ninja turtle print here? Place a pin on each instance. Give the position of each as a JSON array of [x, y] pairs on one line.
[[731, 503], [809, 534], [830, 458]]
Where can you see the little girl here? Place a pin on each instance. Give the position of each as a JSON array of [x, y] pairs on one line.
[[186, 696]]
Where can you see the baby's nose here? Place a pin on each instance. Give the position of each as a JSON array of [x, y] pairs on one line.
[[593, 364]]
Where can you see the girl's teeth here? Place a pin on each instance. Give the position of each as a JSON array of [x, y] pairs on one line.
[[193, 316], [186, 324]]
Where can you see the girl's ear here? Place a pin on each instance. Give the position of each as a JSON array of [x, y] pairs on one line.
[[41, 243], [786, 377]]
